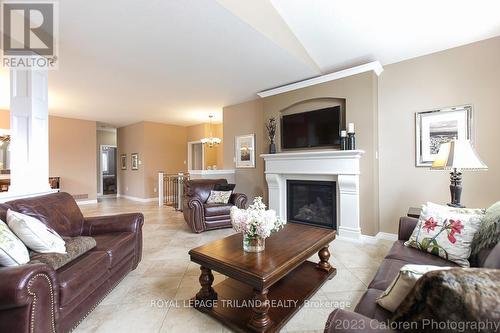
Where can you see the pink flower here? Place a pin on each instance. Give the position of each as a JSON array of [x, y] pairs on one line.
[[451, 237], [430, 224], [456, 226]]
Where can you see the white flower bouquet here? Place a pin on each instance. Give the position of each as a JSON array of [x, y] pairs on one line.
[[256, 223]]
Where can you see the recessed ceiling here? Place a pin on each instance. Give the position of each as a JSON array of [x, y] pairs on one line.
[[343, 33], [125, 61]]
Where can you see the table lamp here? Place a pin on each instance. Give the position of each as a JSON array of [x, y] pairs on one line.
[[457, 155]]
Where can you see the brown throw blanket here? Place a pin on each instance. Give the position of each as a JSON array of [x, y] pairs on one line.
[[455, 300]]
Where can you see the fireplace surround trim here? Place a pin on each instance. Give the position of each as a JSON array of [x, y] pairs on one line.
[[343, 167]]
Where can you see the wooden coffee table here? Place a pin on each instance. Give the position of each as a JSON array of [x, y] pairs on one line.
[[263, 290]]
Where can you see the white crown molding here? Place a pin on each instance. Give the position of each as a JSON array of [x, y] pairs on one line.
[[371, 66]]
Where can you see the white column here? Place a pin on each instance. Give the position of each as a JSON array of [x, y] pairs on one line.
[[161, 187], [349, 206], [29, 121], [276, 198]]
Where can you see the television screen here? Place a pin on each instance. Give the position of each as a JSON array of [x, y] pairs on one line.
[[319, 128]]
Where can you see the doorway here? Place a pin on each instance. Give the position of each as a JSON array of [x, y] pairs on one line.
[[108, 170], [196, 155]]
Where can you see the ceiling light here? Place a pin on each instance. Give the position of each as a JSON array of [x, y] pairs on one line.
[[211, 140]]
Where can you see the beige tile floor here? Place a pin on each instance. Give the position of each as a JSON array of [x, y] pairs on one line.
[[165, 273]]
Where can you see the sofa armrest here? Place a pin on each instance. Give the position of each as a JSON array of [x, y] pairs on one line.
[[131, 222], [341, 321], [406, 226], [28, 291], [239, 200], [196, 215]]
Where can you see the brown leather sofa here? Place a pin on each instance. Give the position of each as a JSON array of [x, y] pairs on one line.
[[201, 216], [36, 298], [368, 315]]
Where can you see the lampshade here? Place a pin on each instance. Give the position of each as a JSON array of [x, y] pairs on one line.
[[458, 154]]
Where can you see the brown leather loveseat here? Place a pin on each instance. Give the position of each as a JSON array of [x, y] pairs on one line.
[[368, 316], [201, 216], [37, 298]]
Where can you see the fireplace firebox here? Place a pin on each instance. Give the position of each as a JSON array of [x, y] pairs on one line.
[[312, 202]]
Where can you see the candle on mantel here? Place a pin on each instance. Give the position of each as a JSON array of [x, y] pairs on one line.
[[350, 128], [343, 134]]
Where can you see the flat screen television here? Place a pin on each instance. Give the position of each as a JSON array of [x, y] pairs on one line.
[[318, 128]]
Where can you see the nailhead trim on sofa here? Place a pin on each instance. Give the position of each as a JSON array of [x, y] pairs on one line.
[[33, 308]]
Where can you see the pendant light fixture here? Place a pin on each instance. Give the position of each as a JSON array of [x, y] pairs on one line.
[[211, 140]]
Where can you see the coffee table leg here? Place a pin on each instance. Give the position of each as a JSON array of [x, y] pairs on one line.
[[206, 279], [260, 317], [324, 255]]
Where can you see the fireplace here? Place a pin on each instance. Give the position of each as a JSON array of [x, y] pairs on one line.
[[312, 202]]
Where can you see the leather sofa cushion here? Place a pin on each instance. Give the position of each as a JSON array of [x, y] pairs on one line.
[[368, 307], [75, 247], [386, 273], [413, 256], [217, 210], [59, 211], [117, 245], [398, 256], [77, 277], [219, 223]]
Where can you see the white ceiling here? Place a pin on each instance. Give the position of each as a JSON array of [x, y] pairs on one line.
[[124, 61], [345, 33]]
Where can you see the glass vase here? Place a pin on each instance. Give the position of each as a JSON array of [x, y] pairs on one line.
[[253, 243]]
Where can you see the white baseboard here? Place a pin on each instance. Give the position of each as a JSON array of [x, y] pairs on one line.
[[379, 236], [387, 236], [86, 202], [129, 197]]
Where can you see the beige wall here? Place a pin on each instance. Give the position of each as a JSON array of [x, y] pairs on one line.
[[165, 149], [360, 94], [72, 156], [214, 155], [4, 119], [104, 137], [131, 140], [464, 75], [161, 147], [245, 118]]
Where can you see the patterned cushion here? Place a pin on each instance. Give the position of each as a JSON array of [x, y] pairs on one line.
[[446, 232], [12, 251], [219, 197], [75, 247]]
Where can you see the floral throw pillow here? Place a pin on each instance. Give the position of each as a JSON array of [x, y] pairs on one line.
[[219, 197], [446, 232]]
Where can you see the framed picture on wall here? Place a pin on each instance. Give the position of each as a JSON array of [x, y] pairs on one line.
[[435, 127], [134, 161], [245, 151], [123, 160]]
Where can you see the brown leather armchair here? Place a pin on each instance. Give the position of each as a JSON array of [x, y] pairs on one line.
[[201, 216], [36, 298]]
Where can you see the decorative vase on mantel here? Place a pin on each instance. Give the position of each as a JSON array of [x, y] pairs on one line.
[[272, 147], [256, 224], [271, 126]]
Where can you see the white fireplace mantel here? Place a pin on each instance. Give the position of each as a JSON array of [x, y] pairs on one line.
[[341, 166]]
